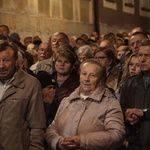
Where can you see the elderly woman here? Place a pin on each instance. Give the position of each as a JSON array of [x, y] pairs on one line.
[[83, 53], [91, 117]]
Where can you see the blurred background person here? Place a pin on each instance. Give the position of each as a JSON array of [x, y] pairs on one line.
[[32, 50], [44, 52], [94, 47], [85, 36], [27, 40], [80, 42], [4, 30], [121, 50], [15, 37], [83, 53], [106, 58], [25, 60]]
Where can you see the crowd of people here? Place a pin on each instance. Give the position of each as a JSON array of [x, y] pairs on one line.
[[90, 92]]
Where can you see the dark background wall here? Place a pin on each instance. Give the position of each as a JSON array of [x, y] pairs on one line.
[[119, 18]]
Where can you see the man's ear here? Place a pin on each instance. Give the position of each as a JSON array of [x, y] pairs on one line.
[[17, 63]]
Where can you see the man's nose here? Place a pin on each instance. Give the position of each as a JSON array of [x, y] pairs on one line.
[[135, 44]]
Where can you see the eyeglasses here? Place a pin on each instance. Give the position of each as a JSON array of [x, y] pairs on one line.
[[100, 58], [147, 56], [44, 50]]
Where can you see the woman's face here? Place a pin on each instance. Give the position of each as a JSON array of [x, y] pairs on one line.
[[102, 58], [119, 54], [134, 66], [63, 66], [89, 78]]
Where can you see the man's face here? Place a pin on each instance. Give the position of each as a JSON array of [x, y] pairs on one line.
[[4, 31], [7, 64], [80, 43], [144, 57], [135, 42], [103, 59], [56, 41], [27, 41], [44, 51]]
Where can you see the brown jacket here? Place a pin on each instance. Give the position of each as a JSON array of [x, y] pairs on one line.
[[22, 117], [113, 77]]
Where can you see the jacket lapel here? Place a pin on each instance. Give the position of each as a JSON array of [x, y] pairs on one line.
[[17, 83]]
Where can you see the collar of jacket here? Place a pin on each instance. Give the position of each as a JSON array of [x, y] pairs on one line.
[[113, 70], [139, 79], [136, 80], [19, 79], [50, 61], [96, 96]]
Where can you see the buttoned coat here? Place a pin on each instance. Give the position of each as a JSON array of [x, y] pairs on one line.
[[22, 116], [98, 120]]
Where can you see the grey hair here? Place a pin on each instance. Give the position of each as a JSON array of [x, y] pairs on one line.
[[85, 48]]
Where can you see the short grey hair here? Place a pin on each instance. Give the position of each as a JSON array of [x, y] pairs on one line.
[[86, 49]]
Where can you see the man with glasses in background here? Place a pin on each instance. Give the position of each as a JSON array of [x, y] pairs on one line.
[[57, 39], [44, 52]]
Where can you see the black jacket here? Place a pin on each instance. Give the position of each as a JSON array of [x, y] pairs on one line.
[[135, 95]]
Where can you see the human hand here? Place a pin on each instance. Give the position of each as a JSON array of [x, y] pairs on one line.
[[132, 115], [48, 94], [70, 142]]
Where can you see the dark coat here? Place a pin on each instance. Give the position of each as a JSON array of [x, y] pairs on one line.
[[135, 95], [113, 77], [69, 85]]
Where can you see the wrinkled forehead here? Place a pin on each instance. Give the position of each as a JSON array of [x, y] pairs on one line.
[[58, 37], [136, 38], [100, 53]]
